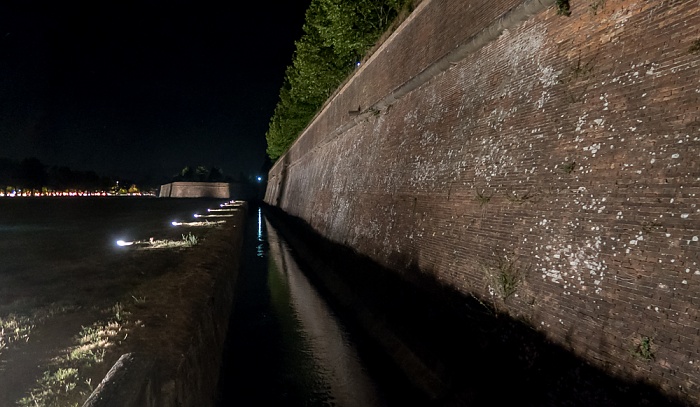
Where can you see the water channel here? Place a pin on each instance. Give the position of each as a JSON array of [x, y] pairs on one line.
[[292, 344], [286, 346]]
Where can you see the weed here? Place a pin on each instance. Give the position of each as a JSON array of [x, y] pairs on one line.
[[14, 328], [86, 355], [519, 199], [695, 47], [52, 388], [503, 277], [597, 5], [580, 71], [189, 239], [568, 167], [64, 383], [139, 300], [649, 227], [119, 313], [643, 349], [563, 8], [483, 198], [89, 335], [491, 310]]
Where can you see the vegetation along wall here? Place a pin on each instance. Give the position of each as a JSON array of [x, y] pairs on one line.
[[547, 163]]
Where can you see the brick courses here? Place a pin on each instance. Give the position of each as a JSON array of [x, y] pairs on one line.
[[570, 145]]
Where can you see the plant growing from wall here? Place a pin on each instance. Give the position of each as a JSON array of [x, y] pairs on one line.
[[597, 5], [643, 349], [563, 8], [502, 276], [578, 72], [482, 197], [695, 47], [517, 198], [568, 167], [648, 227]]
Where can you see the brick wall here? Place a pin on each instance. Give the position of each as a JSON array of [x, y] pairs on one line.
[[195, 190], [500, 139]]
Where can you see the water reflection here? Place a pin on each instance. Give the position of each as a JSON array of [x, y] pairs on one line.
[[261, 246], [285, 347], [339, 375]]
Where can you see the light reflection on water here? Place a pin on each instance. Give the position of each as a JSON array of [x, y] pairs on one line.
[[285, 346], [261, 245], [340, 376]]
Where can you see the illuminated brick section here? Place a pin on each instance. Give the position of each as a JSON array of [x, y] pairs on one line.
[[220, 190], [563, 155]]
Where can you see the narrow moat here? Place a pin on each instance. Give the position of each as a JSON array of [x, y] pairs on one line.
[[286, 345], [314, 324]]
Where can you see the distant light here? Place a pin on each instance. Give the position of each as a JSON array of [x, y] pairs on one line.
[[175, 223], [358, 63], [123, 243], [196, 215], [259, 178]]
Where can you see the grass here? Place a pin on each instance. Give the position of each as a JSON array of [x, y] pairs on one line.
[[483, 198], [503, 277], [66, 377], [187, 240], [141, 300], [568, 167], [65, 382], [118, 310], [14, 328], [519, 198], [563, 8], [597, 5], [579, 72], [642, 349], [695, 47], [52, 388]]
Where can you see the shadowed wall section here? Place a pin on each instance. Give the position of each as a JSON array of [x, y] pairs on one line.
[[547, 164]]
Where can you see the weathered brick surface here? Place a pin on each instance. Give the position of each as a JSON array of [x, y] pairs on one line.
[[569, 144]]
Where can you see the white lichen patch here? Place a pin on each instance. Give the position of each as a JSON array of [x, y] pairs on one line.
[[593, 148], [575, 265], [492, 160], [548, 76], [581, 122]]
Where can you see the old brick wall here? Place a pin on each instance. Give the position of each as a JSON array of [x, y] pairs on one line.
[[195, 190], [562, 152]]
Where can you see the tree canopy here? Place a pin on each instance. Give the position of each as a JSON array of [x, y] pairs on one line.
[[201, 173], [337, 33]]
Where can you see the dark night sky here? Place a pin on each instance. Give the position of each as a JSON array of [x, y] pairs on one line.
[[143, 87]]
